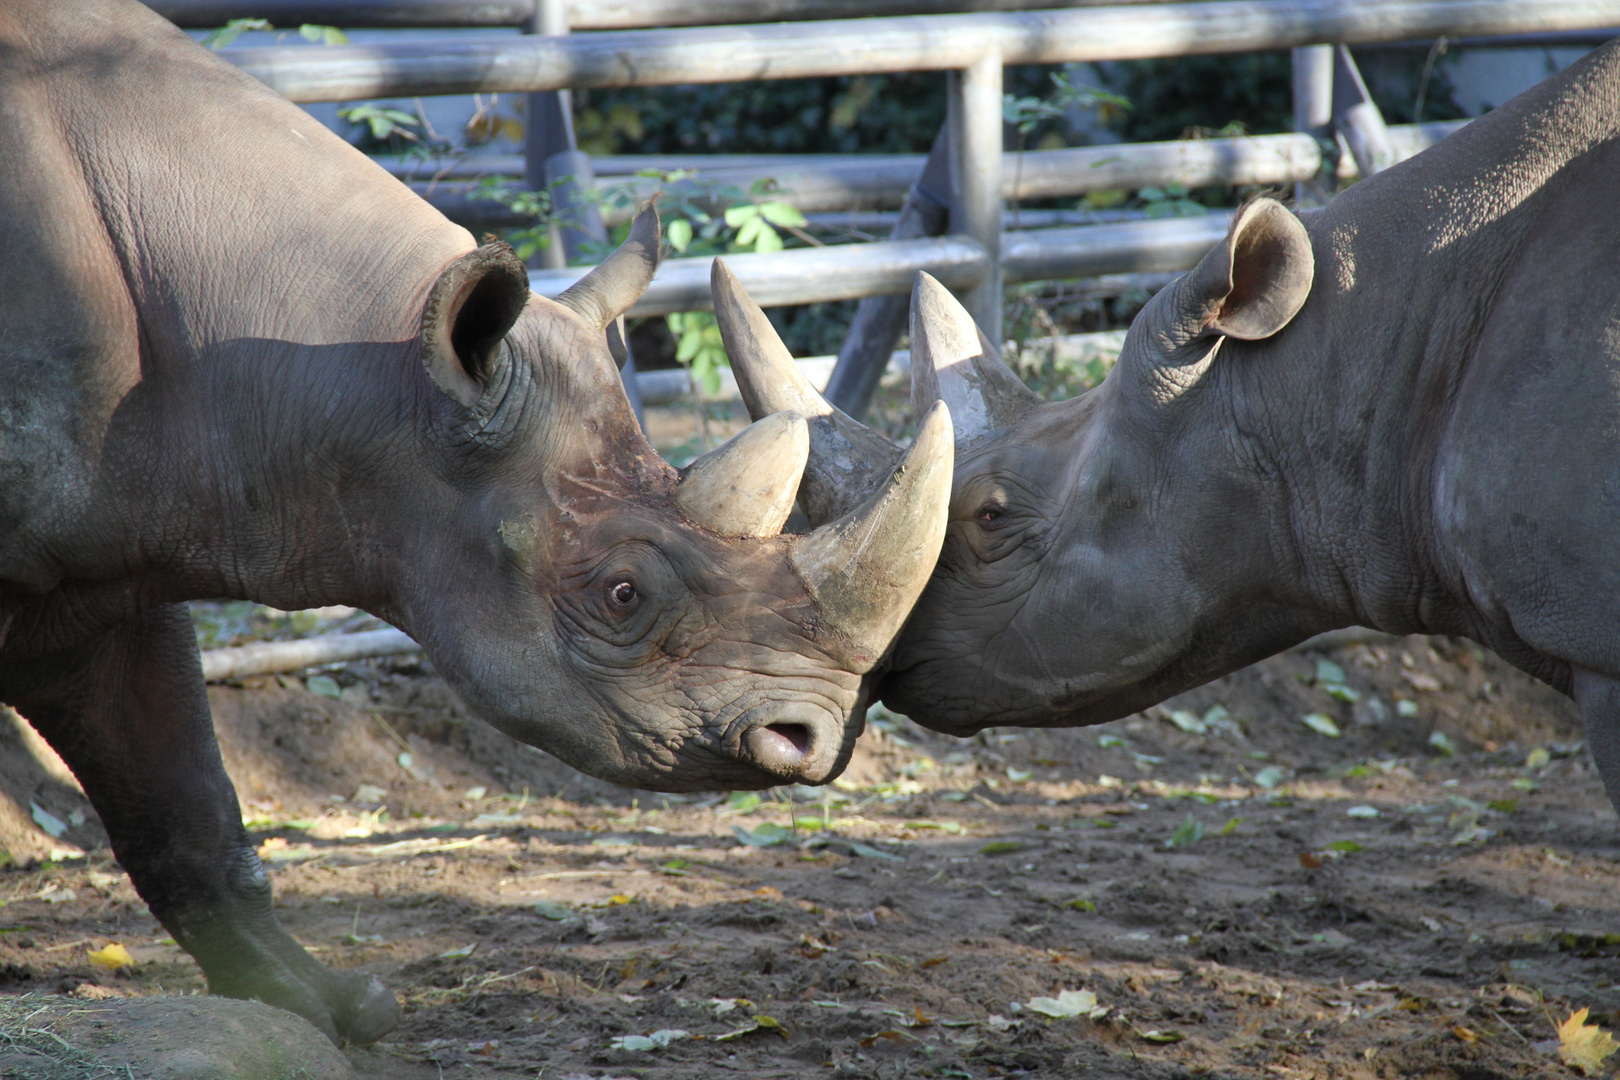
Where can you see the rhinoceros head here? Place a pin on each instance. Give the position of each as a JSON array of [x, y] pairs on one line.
[[650, 626], [1094, 543]]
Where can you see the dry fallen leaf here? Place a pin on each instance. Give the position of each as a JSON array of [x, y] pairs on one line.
[[113, 958], [1583, 1046]]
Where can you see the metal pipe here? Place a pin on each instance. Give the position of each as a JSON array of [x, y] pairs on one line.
[[872, 46]]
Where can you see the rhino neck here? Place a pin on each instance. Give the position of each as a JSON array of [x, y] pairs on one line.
[[242, 291], [1354, 400]]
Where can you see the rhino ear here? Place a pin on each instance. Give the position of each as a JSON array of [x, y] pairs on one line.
[[468, 312], [1256, 281], [953, 362]]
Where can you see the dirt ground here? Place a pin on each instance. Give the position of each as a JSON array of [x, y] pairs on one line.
[[1258, 899]]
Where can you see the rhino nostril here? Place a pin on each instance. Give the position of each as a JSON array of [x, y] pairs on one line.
[[797, 734], [782, 748]]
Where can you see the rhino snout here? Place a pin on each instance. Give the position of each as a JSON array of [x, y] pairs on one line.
[[792, 740]]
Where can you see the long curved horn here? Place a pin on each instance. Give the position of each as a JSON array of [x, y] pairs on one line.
[[618, 280], [746, 485], [867, 569], [848, 460], [951, 361]]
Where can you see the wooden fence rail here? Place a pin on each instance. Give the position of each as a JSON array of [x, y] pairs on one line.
[[850, 271], [876, 181], [582, 14], [867, 46]]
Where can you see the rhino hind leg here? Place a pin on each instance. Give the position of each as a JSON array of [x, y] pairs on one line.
[[129, 715], [1599, 699]]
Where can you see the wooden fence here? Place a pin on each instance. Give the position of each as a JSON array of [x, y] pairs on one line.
[[972, 40]]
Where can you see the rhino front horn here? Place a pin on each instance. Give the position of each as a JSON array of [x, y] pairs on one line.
[[617, 281], [746, 486], [848, 461], [867, 569]]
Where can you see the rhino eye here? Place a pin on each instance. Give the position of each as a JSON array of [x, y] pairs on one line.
[[991, 516], [623, 593]]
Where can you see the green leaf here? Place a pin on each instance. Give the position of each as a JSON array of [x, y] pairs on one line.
[[1231, 826], [459, 954], [1108, 742], [678, 233], [218, 39], [54, 826], [1362, 812], [1080, 903], [326, 35], [738, 216], [1188, 722], [1018, 776], [784, 214], [741, 802], [1190, 831], [1503, 806], [1163, 1037], [550, 909], [1341, 692], [1329, 672], [1345, 847], [1322, 724], [767, 240], [1270, 776], [768, 834], [1002, 847], [1538, 758], [1442, 742], [323, 685], [867, 851]]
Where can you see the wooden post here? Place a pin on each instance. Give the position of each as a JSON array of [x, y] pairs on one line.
[[1313, 110], [1357, 118], [880, 320], [975, 97]]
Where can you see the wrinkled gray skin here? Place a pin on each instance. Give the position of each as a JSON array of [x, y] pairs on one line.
[[216, 381], [1430, 445]]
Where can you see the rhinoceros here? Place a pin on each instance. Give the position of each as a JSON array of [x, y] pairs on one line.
[[1401, 412], [237, 359]]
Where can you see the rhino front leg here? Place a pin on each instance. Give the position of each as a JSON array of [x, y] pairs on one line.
[[1599, 699], [129, 715]]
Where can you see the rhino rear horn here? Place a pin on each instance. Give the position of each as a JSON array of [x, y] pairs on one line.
[[618, 281], [867, 568], [848, 461], [953, 362], [467, 315], [746, 486]]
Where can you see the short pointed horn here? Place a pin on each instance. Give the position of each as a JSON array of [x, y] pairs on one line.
[[867, 569], [618, 281], [746, 486], [848, 461], [951, 361]]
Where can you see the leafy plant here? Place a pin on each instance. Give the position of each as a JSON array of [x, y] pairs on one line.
[[383, 122], [235, 28], [699, 347]]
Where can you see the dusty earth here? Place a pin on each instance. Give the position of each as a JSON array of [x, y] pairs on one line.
[[1258, 899]]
